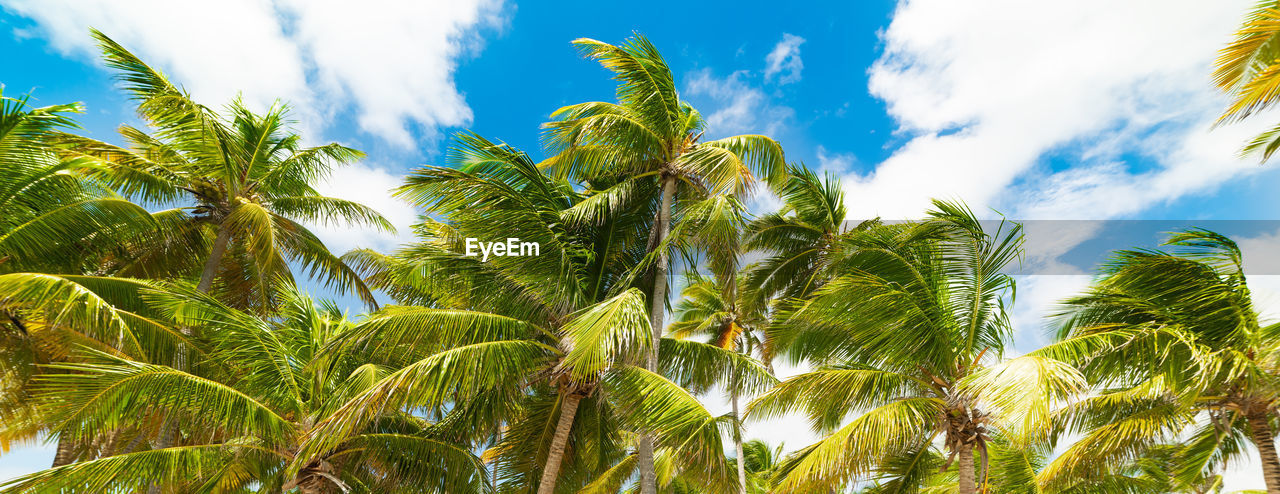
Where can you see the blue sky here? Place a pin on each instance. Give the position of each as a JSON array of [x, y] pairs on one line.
[[1043, 110], [519, 68], [893, 106]]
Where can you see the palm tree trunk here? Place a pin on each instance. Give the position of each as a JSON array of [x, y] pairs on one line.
[[737, 445], [1266, 443], [657, 307], [968, 483], [568, 408], [215, 258], [65, 454]]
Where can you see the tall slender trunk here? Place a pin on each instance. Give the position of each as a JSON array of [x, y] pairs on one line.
[[731, 294], [657, 307], [215, 257], [568, 408], [737, 445], [66, 453], [968, 481], [1266, 443]]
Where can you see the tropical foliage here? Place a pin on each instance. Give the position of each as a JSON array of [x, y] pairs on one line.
[[1176, 348], [260, 388], [54, 218], [652, 139], [164, 346], [554, 343], [246, 181], [1248, 71], [916, 363], [802, 238]]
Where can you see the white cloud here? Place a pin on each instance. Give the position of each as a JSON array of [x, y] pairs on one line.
[[792, 431], [1045, 242], [986, 97], [834, 162], [371, 186], [188, 40], [740, 106], [396, 58], [784, 61], [738, 102], [391, 61], [1038, 298]]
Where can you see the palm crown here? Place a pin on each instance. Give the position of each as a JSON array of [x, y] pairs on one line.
[[261, 387], [1248, 70], [802, 239], [248, 181], [550, 342], [916, 362], [650, 132], [1171, 337], [52, 217], [651, 136]]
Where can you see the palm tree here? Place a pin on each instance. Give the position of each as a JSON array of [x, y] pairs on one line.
[[907, 335], [650, 136], [709, 308], [545, 344], [1174, 343], [260, 387], [716, 307], [247, 181], [803, 238], [1022, 470], [759, 461], [52, 217], [48, 320], [1248, 70]]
